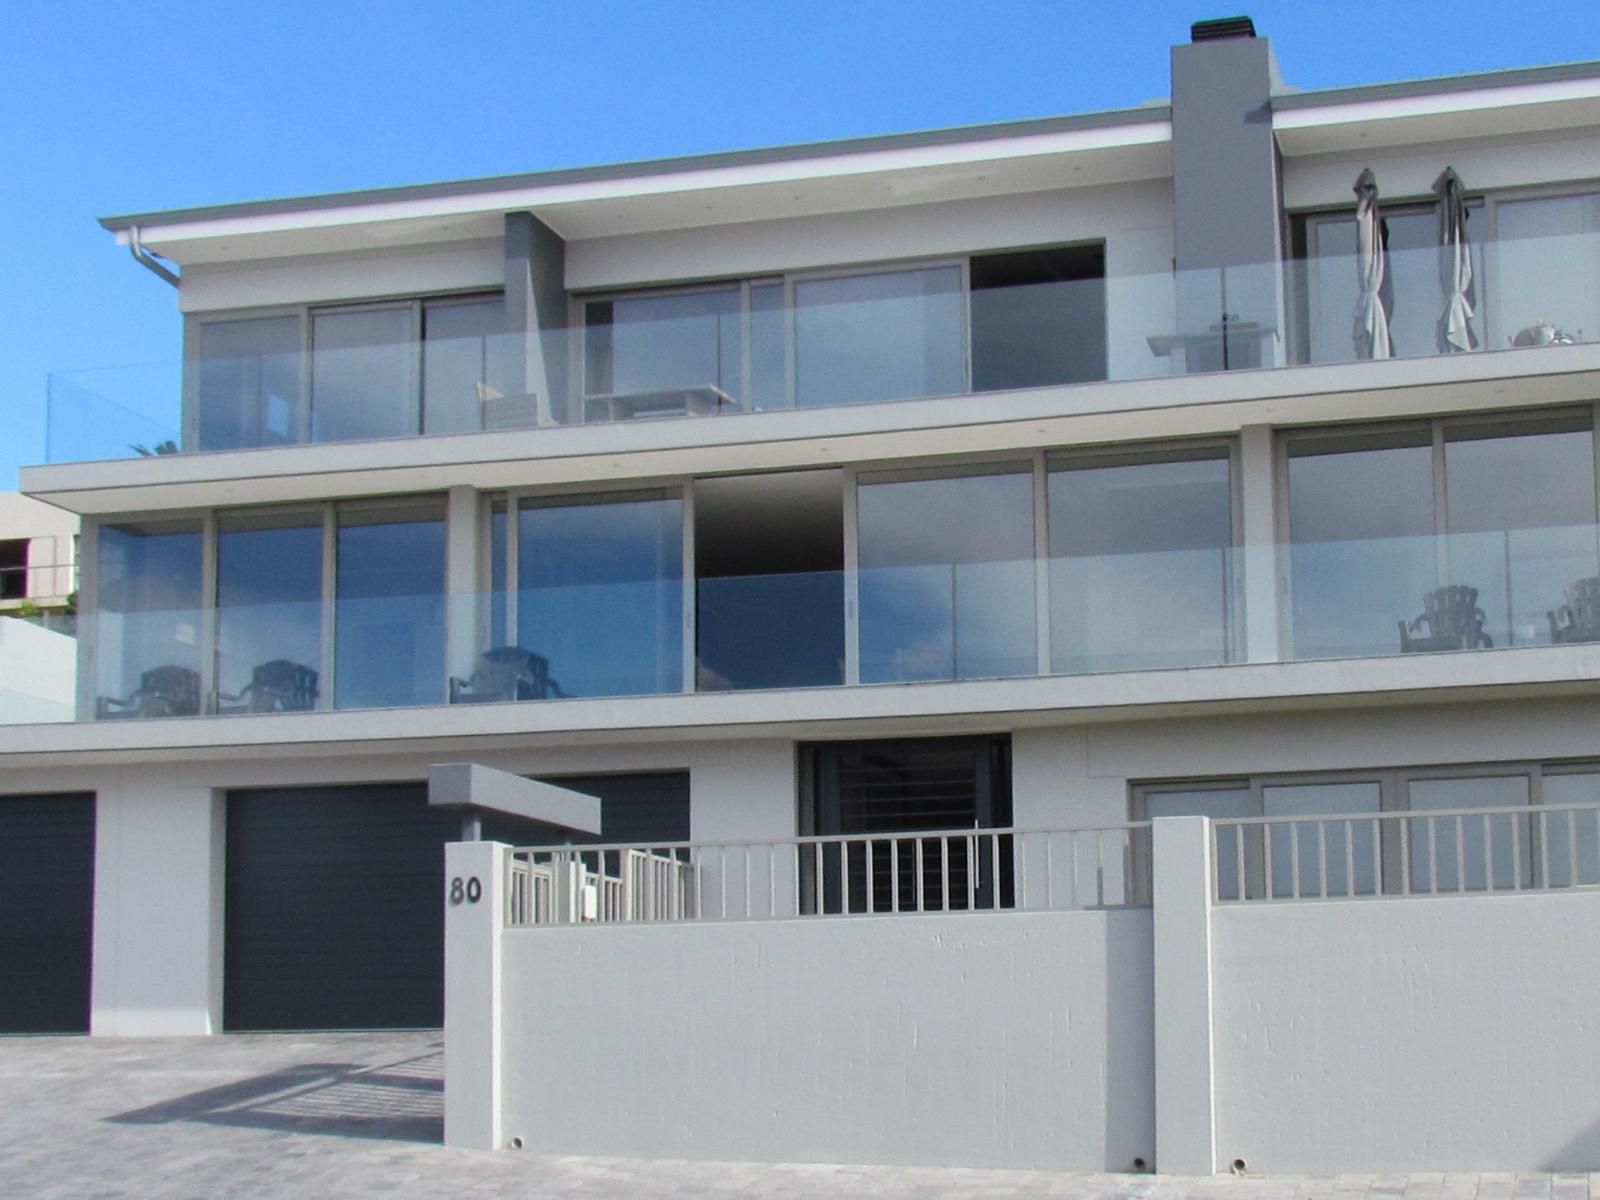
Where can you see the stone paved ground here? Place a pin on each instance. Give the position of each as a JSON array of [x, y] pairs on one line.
[[294, 1117]]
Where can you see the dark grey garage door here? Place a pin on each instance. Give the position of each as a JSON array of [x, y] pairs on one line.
[[335, 913], [46, 913]]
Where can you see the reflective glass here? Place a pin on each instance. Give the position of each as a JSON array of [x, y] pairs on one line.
[[1334, 858], [1448, 854], [1139, 565], [362, 374], [1570, 842], [1364, 554], [683, 340], [600, 595], [147, 620], [886, 336], [248, 388], [464, 350], [947, 578], [389, 632], [269, 613], [1545, 282], [1521, 518], [1215, 803]]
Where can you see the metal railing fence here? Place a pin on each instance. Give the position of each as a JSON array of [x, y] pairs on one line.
[[872, 874], [1415, 852]]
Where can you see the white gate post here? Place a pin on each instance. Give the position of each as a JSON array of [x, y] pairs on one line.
[[474, 918], [1186, 1137]]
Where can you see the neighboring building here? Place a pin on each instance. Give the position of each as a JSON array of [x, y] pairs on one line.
[[38, 592], [1031, 476]]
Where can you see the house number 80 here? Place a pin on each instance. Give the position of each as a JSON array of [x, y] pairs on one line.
[[470, 891]]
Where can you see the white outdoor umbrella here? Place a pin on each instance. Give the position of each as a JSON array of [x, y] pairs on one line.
[[1455, 267], [1372, 269]]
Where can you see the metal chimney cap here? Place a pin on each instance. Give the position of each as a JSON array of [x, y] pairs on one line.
[[1221, 29]]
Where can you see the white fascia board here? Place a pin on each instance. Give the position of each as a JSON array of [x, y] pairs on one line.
[[1441, 105], [996, 150]]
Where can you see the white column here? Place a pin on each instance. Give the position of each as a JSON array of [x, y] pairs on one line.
[[1186, 1136], [746, 796], [474, 915], [1259, 573], [463, 581], [158, 909]]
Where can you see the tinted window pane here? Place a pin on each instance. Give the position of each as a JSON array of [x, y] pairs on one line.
[[1139, 565], [947, 578], [464, 361], [249, 383], [659, 343], [362, 375], [1333, 858], [269, 613], [1571, 840], [1457, 853], [879, 337], [147, 622], [600, 595], [1361, 519], [1215, 803], [1038, 318], [1521, 517], [389, 639], [1544, 269]]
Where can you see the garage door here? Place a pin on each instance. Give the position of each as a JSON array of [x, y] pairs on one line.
[[46, 913], [335, 918]]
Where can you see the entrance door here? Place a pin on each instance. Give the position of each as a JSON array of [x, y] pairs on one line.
[[905, 786]]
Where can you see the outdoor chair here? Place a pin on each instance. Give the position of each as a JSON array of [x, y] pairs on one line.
[[1578, 620], [1450, 620], [276, 686], [162, 692], [506, 673]]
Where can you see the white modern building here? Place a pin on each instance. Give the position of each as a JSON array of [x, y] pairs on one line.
[[891, 534], [38, 586]]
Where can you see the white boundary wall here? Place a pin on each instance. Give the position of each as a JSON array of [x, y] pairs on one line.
[[1397, 1033]]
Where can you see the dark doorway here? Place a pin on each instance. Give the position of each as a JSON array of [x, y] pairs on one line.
[[46, 912]]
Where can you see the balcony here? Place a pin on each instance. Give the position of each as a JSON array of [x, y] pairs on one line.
[[997, 324], [573, 638]]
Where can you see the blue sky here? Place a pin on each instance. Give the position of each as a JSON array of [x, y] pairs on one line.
[[109, 108]]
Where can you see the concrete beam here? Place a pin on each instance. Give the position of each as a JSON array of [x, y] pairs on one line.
[[468, 787]]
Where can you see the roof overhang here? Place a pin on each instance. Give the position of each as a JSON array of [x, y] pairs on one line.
[[1099, 148], [1539, 101]]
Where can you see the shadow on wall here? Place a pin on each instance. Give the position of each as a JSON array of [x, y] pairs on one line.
[[398, 1101]]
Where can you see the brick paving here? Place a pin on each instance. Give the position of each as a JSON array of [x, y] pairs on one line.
[[359, 1115]]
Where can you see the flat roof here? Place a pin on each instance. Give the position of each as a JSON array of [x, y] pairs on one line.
[[1110, 118], [1435, 85]]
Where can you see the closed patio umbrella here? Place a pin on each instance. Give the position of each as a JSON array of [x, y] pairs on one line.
[[1375, 301], [1455, 267]]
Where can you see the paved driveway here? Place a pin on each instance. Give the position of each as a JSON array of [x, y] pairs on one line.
[[343, 1115]]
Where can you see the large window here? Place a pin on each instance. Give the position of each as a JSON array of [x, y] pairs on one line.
[[946, 576], [1037, 318], [1543, 269], [1141, 560], [147, 626], [1457, 534], [589, 594], [311, 607], [327, 374], [1345, 847]]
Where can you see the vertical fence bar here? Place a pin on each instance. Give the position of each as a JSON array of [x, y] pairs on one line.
[[869, 849], [1516, 856], [994, 871], [894, 875], [1019, 869], [1542, 878], [1099, 870], [1294, 860], [1572, 847], [1349, 857], [1405, 854], [944, 874], [818, 871], [1322, 859], [1488, 856], [1049, 871], [922, 878], [1461, 857]]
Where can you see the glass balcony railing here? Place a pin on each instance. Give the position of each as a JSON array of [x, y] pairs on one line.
[[1068, 616], [812, 343]]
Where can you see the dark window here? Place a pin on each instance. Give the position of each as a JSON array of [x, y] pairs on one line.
[[1038, 318], [13, 569]]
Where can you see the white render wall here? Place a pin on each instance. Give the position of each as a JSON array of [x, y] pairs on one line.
[[158, 909], [970, 1039], [1420, 1034], [38, 673]]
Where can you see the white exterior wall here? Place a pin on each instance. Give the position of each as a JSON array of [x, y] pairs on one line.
[[976, 1039], [158, 908], [1409, 1035], [325, 278], [38, 673]]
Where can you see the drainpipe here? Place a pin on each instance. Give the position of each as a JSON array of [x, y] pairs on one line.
[[146, 259]]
